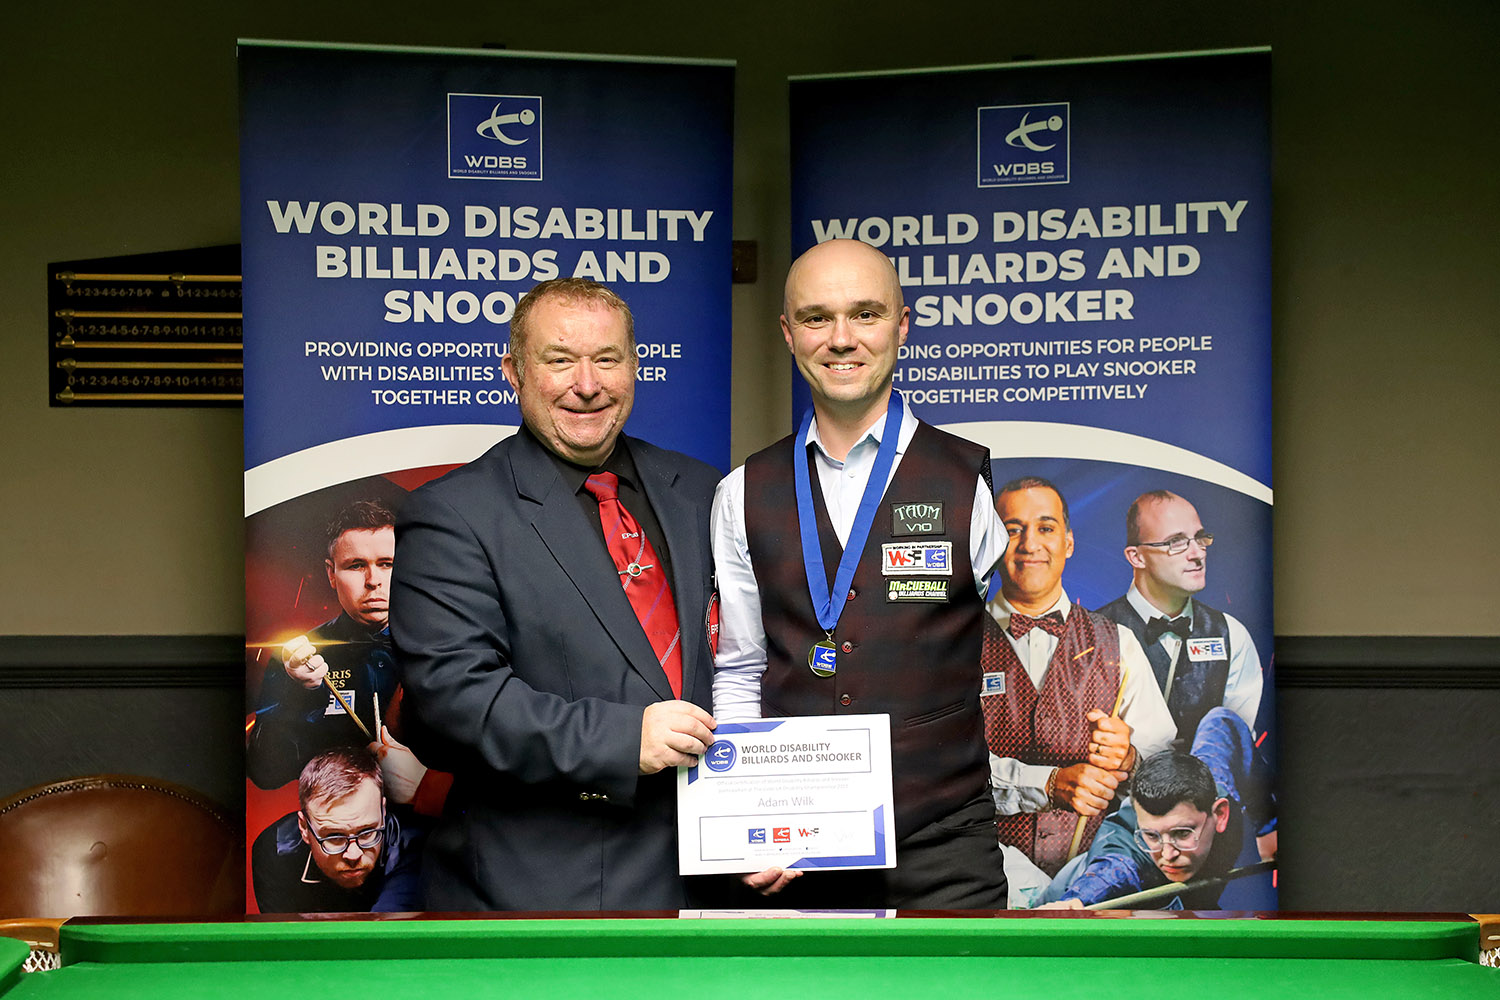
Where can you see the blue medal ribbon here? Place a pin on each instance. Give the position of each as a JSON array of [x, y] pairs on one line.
[[825, 606]]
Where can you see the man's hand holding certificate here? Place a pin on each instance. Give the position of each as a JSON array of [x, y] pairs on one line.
[[804, 793]]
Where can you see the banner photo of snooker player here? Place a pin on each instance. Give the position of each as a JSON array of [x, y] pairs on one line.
[[396, 203], [1085, 250]]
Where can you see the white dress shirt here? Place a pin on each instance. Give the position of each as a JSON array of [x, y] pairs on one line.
[[1022, 788], [742, 639], [1242, 689]]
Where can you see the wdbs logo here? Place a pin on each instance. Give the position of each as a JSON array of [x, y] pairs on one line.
[[1023, 144], [495, 137], [720, 756]]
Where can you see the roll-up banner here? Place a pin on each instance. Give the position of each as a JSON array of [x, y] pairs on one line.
[[1085, 250], [396, 203]]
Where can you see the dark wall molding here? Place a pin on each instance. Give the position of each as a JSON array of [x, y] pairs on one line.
[[1387, 661], [218, 661], [129, 661]]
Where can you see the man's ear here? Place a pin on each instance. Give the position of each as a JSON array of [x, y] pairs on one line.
[[1134, 556], [509, 369], [1221, 815]]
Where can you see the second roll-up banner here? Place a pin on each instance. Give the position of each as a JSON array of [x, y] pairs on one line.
[[1085, 250]]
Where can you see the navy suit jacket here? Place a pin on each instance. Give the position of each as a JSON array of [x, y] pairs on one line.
[[527, 673]]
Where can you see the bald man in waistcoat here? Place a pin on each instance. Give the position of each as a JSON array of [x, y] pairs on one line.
[[903, 643]]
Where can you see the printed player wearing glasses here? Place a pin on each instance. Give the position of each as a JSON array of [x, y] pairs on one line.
[[1200, 656], [287, 879], [1186, 820]]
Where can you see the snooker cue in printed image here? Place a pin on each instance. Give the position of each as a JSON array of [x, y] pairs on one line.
[[329, 686], [1129, 745]]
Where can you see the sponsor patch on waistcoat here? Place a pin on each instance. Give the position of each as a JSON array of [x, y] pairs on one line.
[[1208, 648], [916, 519], [916, 590], [916, 559]]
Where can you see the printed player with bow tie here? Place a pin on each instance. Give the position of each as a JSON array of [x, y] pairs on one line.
[[1070, 704]]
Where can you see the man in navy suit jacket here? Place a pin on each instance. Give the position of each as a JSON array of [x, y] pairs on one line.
[[527, 672]]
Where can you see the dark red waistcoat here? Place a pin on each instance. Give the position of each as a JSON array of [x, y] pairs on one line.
[[911, 659], [1047, 726]]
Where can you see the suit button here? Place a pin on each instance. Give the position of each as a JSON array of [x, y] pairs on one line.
[[844, 699], [847, 647]]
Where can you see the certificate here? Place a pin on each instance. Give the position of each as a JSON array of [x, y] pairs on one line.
[[812, 792]]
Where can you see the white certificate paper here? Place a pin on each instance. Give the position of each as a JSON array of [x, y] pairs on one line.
[[812, 792]]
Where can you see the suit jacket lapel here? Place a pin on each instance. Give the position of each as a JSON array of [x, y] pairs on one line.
[[573, 543]]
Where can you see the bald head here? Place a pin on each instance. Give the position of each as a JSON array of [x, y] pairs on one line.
[[843, 257], [844, 321], [1164, 579]]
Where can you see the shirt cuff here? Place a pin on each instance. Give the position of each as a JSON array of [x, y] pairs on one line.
[[432, 793]]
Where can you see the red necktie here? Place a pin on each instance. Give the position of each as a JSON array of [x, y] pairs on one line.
[[641, 575], [1051, 623]]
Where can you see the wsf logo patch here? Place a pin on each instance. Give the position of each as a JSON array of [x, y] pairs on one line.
[[496, 137], [1210, 647], [994, 683], [758, 836], [1021, 144], [916, 559]]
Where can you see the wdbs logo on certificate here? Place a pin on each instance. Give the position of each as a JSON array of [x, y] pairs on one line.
[[811, 792]]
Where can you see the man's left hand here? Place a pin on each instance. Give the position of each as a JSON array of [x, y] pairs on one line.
[[1083, 788]]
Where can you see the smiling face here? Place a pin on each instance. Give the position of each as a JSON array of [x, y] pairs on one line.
[[1168, 581], [359, 571], [574, 377], [1039, 547], [845, 322]]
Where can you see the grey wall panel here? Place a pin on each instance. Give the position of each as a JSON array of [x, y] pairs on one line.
[[188, 735], [1388, 794], [1390, 799]]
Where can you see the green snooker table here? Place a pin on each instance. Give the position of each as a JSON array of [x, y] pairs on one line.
[[1074, 957]]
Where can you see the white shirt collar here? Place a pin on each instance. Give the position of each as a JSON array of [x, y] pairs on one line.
[[1002, 610], [875, 433], [1147, 610]]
